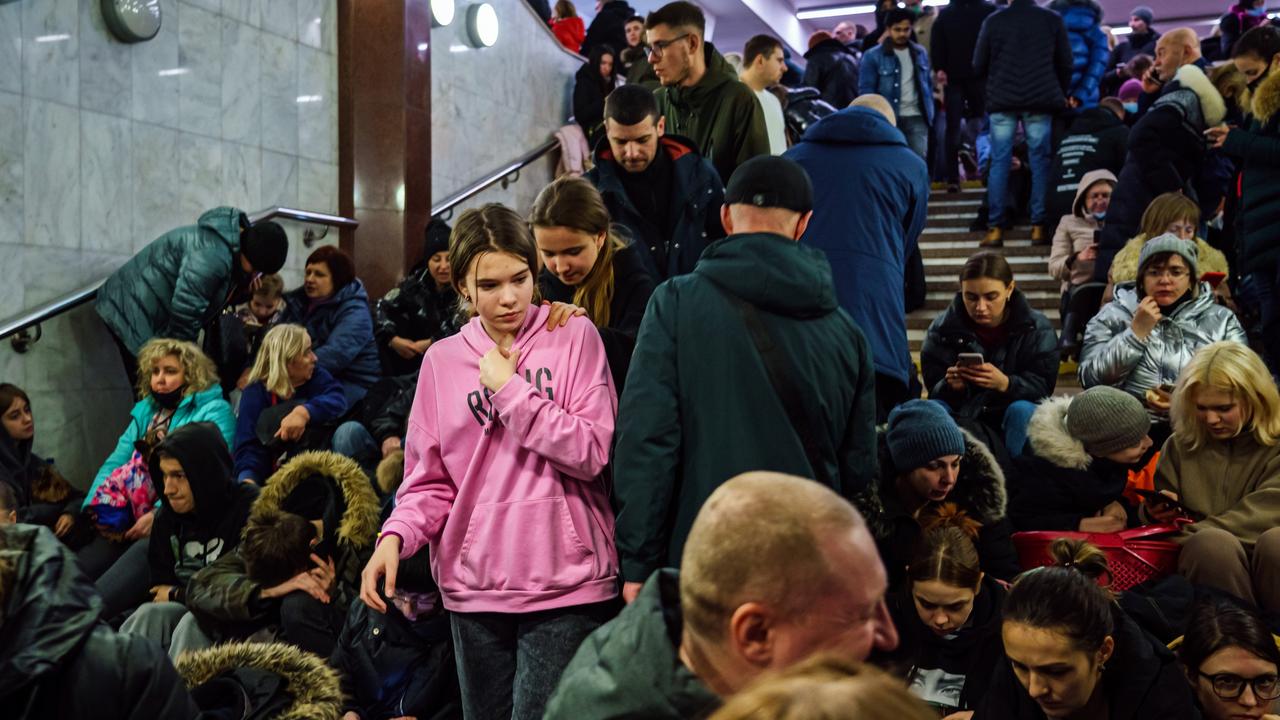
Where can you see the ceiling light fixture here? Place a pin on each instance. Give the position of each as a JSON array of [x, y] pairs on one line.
[[482, 25], [829, 12], [442, 12]]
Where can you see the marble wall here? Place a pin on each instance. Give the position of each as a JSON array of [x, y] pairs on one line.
[[492, 105], [104, 146]]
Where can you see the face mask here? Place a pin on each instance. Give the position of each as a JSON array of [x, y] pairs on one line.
[[1217, 222], [1256, 12], [1131, 107], [169, 400], [1100, 216]]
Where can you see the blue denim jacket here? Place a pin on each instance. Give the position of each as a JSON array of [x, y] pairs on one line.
[[881, 74]]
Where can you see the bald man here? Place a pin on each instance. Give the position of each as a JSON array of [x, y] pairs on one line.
[[777, 568], [877, 103], [1167, 152]]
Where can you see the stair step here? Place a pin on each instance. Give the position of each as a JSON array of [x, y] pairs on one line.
[[965, 194], [966, 250], [975, 203], [1021, 262]]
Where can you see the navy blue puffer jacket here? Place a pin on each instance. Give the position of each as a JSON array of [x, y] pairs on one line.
[[341, 329]]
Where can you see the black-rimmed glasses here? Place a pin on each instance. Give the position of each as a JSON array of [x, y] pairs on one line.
[[658, 47], [1230, 687]]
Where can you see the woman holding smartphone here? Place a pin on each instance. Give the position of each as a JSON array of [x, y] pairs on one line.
[[1222, 467], [990, 356]]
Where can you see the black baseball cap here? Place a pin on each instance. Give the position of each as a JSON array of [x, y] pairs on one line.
[[769, 181]]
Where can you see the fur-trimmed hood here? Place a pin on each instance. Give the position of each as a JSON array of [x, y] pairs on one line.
[[316, 691], [1211, 102], [980, 489], [1049, 438], [1266, 99], [1124, 267], [362, 517]]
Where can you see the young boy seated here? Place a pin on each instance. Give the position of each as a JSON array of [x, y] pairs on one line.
[[203, 510], [298, 563], [399, 664], [265, 305]]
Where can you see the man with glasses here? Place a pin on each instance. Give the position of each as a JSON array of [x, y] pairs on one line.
[[701, 97]]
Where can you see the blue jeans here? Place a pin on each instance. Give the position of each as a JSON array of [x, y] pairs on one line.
[[354, 440], [917, 132], [1016, 419], [1038, 128]]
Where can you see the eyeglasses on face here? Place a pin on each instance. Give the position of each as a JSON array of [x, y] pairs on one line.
[[1176, 273], [1230, 687], [658, 47]]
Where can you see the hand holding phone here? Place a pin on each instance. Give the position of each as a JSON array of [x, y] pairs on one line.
[[1162, 507], [970, 360]]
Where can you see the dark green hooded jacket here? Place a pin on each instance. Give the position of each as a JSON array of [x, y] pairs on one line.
[[630, 668], [721, 115], [177, 284], [699, 407]]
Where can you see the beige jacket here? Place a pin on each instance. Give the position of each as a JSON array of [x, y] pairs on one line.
[[1235, 484], [1075, 233]]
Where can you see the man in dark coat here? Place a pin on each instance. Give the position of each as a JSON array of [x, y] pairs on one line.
[[1166, 146], [832, 68], [1257, 149], [701, 96], [655, 185], [608, 27], [1024, 56], [953, 37], [181, 281], [779, 554], [57, 658], [1141, 40], [867, 223], [1096, 140], [673, 450]]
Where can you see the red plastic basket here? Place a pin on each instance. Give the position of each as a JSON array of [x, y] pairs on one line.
[[1133, 556]]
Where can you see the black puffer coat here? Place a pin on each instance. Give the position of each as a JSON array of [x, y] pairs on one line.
[[1056, 483], [33, 480], [1024, 55], [57, 659], [833, 69], [1166, 154], [1029, 357], [1258, 150], [609, 27], [979, 491]]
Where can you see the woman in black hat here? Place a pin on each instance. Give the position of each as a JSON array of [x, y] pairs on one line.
[[421, 310]]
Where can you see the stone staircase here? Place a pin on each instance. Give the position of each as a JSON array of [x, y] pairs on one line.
[[947, 243]]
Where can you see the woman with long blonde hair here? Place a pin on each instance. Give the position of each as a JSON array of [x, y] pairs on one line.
[[1222, 466], [285, 371], [586, 264]]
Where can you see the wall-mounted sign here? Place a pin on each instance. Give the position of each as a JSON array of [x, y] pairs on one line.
[[132, 21]]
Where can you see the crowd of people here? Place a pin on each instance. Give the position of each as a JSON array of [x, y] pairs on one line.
[[658, 447]]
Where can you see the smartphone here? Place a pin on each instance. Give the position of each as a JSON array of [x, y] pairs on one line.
[[969, 360], [1213, 278], [1157, 497], [1166, 388]]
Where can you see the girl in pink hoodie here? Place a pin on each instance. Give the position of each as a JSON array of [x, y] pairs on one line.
[[510, 431]]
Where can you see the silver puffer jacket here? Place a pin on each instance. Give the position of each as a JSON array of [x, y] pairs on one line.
[[1114, 356]]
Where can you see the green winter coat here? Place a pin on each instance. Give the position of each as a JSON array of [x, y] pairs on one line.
[[699, 408], [630, 668], [177, 284], [720, 114], [226, 602]]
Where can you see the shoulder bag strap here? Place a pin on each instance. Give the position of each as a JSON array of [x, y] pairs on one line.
[[779, 371]]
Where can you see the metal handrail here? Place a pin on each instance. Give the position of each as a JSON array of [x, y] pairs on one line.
[[503, 175], [12, 326]]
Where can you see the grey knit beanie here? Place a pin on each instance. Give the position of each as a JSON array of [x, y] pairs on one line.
[[1144, 13], [1170, 243], [1106, 420], [921, 431]]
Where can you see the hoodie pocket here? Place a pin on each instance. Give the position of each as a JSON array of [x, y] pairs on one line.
[[526, 545]]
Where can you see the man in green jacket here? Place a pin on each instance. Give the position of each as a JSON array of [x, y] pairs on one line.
[[777, 568], [181, 281], [700, 406], [701, 96]]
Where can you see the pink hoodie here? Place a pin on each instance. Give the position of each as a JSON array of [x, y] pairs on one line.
[[506, 487]]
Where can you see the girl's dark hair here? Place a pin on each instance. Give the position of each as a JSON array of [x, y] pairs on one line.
[[573, 202], [946, 552], [987, 265], [1065, 596], [339, 263], [10, 392], [492, 227], [1216, 625], [1263, 42], [593, 61]]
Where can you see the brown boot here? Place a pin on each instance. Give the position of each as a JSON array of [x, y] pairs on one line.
[[994, 238], [1038, 235]]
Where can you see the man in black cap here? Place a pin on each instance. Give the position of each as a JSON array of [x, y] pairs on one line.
[[747, 363], [181, 281]]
